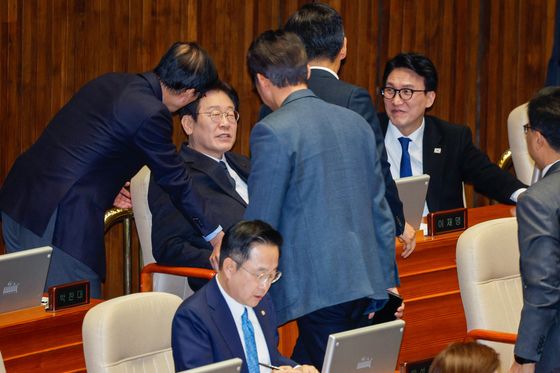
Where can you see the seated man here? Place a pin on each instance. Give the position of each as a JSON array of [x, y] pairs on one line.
[[432, 146], [218, 175], [232, 316]]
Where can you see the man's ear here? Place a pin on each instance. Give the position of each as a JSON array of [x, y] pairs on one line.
[[187, 122], [431, 98], [308, 72], [229, 267], [343, 51], [188, 96], [263, 81]]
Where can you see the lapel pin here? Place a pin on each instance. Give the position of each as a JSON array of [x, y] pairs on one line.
[[263, 312], [437, 150]]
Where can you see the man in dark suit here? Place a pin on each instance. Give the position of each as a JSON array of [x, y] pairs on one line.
[[233, 316], [321, 29], [316, 177], [218, 175], [538, 217], [58, 190], [419, 144]]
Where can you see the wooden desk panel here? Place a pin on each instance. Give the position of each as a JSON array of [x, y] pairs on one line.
[[33, 339], [433, 309]]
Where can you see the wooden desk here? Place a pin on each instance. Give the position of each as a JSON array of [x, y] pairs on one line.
[[34, 339], [433, 309]]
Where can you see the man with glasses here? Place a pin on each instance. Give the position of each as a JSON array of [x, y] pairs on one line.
[[421, 144], [219, 176], [232, 316], [538, 217]]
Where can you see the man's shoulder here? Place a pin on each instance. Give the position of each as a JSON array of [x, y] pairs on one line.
[[445, 126]]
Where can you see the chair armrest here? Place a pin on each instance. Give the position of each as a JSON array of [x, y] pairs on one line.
[[147, 274], [491, 335]]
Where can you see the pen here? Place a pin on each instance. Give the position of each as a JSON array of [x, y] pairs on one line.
[[269, 366]]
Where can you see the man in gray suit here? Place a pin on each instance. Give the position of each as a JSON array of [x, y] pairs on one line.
[[538, 216], [316, 178]]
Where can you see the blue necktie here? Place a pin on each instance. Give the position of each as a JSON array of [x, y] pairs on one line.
[[406, 167], [250, 344]]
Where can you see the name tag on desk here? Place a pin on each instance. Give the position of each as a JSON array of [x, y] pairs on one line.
[[447, 221]]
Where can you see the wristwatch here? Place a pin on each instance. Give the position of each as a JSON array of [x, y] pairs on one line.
[[522, 360]]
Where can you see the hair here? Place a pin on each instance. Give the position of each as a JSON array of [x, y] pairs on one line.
[[220, 86], [239, 240], [416, 62], [279, 56], [469, 357], [544, 115], [185, 66], [320, 28]]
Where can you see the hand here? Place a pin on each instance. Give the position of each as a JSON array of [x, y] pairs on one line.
[[408, 239], [299, 369], [216, 243], [123, 199], [525, 368], [513, 211]]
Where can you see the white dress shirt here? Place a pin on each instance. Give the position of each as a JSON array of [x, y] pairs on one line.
[[240, 185], [237, 310]]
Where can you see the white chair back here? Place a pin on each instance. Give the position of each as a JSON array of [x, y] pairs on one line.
[[489, 279], [139, 185], [130, 334], [523, 164]]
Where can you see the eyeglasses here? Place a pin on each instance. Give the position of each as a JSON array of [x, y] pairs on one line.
[[216, 116], [526, 128], [264, 278], [405, 94]]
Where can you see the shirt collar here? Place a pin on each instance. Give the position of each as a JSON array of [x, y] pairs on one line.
[[324, 69], [416, 136], [235, 307], [545, 170]]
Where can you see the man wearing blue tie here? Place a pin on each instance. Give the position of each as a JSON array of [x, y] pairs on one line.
[[422, 144], [232, 316]]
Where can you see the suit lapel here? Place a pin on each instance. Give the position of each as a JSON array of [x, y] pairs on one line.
[[212, 169], [262, 310], [433, 155], [221, 315]]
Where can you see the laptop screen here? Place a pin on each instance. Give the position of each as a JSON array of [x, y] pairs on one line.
[[371, 349], [22, 278], [412, 193]]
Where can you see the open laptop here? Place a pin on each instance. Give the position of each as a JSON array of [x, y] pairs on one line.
[[227, 366], [412, 192], [371, 349], [22, 278]]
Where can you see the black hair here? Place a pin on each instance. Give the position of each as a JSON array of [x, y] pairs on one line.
[[320, 28], [279, 56], [416, 62], [239, 240], [544, 115], [192, 108], [185, 66]]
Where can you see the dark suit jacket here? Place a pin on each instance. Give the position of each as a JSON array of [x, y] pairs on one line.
[[204, 332], [316, 178], [458, 161], [175, 241], [538, 217], [110, 128], [338, 92]]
